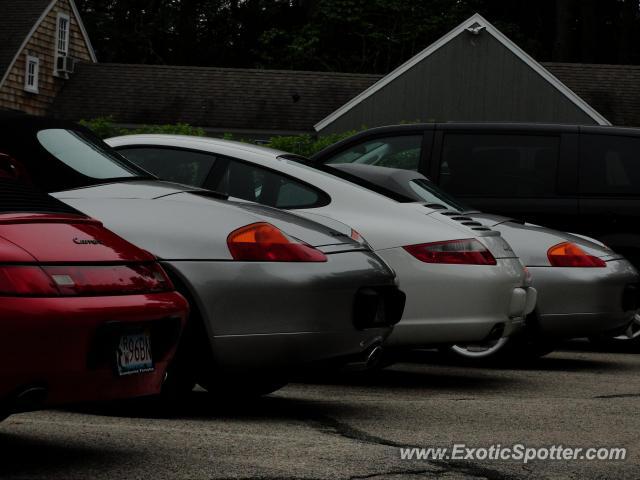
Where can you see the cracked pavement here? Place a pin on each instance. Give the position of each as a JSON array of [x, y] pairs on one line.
[[351, 426]]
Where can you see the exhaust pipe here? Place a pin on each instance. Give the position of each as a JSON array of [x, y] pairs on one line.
[[375, 354], [366, 360], [28, 400], [496, 332]]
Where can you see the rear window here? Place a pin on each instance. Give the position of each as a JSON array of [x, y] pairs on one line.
[[609, 165], [493, 165], [84, 156]]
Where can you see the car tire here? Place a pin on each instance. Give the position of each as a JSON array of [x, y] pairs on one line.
[[630, 340], [193, 353]]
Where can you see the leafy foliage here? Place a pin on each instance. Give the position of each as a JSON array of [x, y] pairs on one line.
[[306, 145], [104, 127], [368, 36]]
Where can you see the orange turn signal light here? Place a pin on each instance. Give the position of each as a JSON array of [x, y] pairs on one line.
[[569, 254]]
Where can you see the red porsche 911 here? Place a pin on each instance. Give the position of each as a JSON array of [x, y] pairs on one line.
[[84, 315]]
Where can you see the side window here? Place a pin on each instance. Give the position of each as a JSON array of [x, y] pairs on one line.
[[63, 22], [396, 152], [180, 166], [256, 184], [499, 165], [609, 165]]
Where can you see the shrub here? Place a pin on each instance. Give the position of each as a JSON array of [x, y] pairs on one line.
[[104, 127], [306, 145], [172, 129]]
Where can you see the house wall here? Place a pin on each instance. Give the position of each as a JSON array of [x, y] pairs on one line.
[[471, 78], [42, 44]]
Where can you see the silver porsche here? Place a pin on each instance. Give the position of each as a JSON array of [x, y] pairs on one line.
[[270, 292], [464, 284], [584, 288]]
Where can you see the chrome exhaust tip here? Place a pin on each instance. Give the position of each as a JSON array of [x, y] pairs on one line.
[[374, 357], [367, 359]]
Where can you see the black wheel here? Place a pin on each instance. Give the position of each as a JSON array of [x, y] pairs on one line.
[[629, 340], [192, 355]]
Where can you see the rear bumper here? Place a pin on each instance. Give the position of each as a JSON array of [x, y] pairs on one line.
[[65, 346], [576, 302], [261, 315], [458, 303], [294, 351]]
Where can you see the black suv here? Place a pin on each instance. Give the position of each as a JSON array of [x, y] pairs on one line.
[[581, 179]]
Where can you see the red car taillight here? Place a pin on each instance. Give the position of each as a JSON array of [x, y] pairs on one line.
[[26, 281], [262, 242], [569, 254], [460, 252], [83, 280]]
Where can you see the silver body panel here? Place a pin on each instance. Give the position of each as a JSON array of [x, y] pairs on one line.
[[259, 315], [387, 226], [572, 302]]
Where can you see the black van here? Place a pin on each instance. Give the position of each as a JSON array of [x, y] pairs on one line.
[[581, 179]]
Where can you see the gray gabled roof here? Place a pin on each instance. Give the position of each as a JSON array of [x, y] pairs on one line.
[[224, 98], [613, 90], [476, 23], [17, 19]]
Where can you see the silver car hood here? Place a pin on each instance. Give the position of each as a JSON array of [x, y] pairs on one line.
[[176, 222]]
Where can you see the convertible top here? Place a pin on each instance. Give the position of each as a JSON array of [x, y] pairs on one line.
[[16, 197], [36, 165]]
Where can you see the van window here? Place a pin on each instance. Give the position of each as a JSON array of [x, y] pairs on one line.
[[402, 151], [499, 165], [609, 165]]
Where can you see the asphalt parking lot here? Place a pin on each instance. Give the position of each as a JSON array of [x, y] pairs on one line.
[[353, 426]]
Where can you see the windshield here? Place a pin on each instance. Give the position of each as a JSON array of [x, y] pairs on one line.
[[428, 192], [85, 157]]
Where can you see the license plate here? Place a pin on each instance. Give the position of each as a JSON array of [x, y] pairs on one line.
[[133, 353]]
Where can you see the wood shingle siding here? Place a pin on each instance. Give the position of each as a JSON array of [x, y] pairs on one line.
[[42, 44]]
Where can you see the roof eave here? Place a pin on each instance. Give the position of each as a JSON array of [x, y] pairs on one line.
[[481, 21]]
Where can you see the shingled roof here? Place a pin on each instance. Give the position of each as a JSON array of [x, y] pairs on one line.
[[217, 98], [613, 90], [279, 100], [17, 18]]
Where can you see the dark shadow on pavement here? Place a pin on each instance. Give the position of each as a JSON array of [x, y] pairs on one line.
[[26, 456], [199, 405], [546, 363], [584, 345], [409, 374]]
